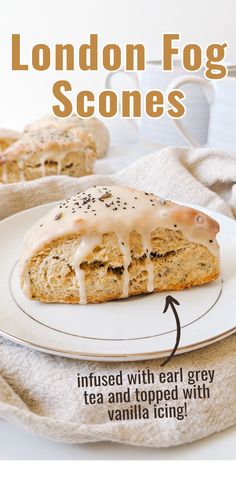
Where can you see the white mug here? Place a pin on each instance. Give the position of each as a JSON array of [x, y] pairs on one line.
[[160, 131], [221, 95]]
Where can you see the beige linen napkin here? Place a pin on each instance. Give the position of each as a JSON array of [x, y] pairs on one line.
[[40, 391]]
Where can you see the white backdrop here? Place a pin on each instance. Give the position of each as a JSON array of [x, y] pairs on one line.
[[27, 95]]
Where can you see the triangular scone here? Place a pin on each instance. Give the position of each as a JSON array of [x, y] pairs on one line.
[[48, 151], [92, 127], [112, 242]]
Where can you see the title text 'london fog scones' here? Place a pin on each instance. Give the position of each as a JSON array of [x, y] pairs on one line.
[[49, 151], [113, 242], [93, 127]]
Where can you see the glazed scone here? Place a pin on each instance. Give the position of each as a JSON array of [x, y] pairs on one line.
[[8, 137], [48, 152], [113, 242], [92, 126]]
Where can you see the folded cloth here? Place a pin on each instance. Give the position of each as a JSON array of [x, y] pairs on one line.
[[40, 391]]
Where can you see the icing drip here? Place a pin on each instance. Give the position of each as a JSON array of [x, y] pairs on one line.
[[123, 241], [146, 241], [120, 210], [4, 173], [86, 246], [21, 170], [43, 167], [59, 165]]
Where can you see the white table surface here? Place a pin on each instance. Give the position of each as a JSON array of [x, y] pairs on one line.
[[16, 443]]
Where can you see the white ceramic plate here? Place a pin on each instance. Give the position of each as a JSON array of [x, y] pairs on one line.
[[131, 329]]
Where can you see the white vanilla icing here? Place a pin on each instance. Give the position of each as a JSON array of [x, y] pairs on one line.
[[21, 170], [123, 239], [92, 126], [4, 173], [121, 210], [87, 245], [147, 245]]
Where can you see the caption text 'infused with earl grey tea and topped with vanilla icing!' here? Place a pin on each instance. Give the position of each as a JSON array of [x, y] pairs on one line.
[[113, 242]]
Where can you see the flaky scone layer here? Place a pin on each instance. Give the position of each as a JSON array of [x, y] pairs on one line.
[[177, 264]]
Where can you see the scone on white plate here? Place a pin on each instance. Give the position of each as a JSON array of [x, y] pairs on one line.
[[48, 151], [8, 137], [113, 242], [93, 127]]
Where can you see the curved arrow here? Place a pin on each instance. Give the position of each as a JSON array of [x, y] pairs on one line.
[[171, 301]]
